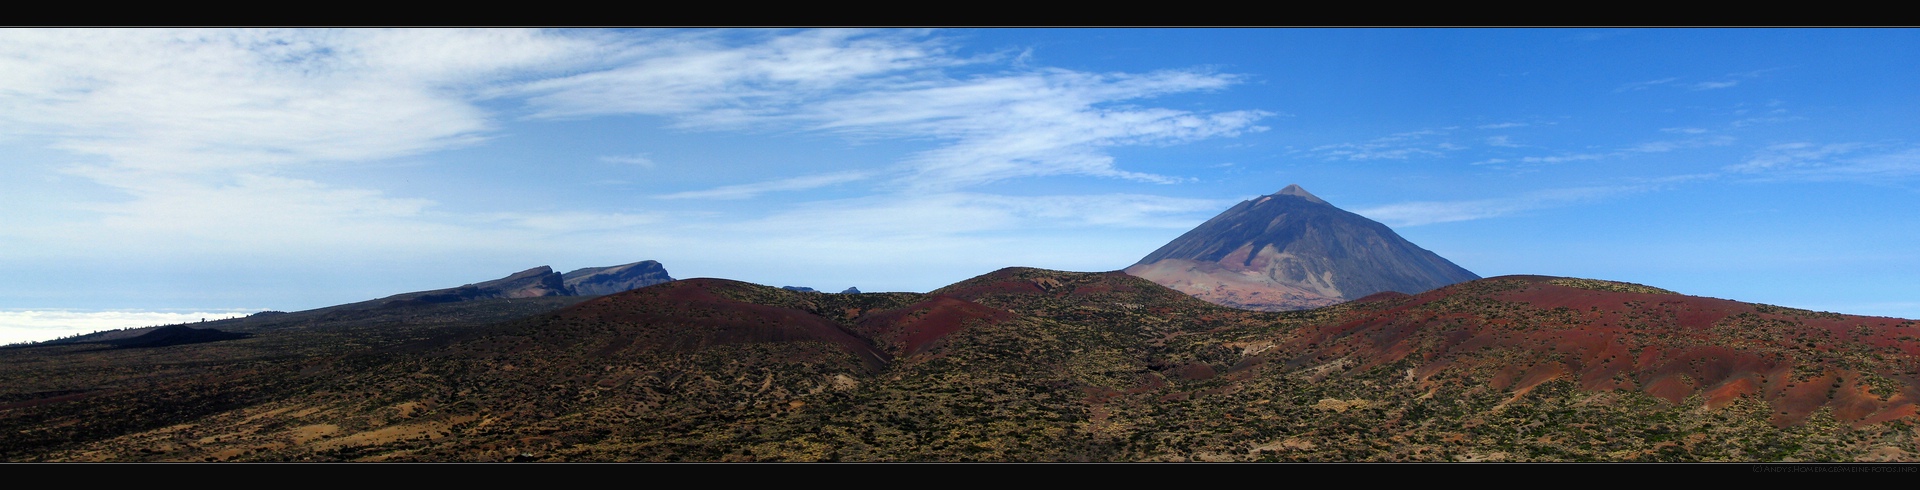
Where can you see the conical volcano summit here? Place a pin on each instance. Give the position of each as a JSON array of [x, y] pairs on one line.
[[1291, 250]]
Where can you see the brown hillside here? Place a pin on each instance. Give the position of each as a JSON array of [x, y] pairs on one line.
[[1515, 332], [691, 315], [1019, 364], [911, 330]]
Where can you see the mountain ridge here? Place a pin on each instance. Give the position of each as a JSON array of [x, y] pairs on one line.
[[537, 282], [543, 281]]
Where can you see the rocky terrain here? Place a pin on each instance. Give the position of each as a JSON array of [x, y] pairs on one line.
[[543, 281], [595, 281]]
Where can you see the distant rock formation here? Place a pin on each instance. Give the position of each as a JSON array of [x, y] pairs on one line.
[[804, 289], [543, 281], [530, 283], [1292, 250], [594, 281]]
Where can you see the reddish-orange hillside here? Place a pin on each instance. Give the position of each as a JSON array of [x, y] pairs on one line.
[[1515, 332], [692, 314], [911, 330]]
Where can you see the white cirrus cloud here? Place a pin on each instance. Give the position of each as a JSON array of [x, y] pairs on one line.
[[731, 79], [1049, 122], [635, 160], [1429, 212], [1671, 145], [237, 101], [1858, 162], [1795, 154], [743, 191], [1750, 121], [1898, 164], [1397, 146], [199, 128], [198, 100], [1552, 159], [899, 85], [1644, 85], [216, 143]]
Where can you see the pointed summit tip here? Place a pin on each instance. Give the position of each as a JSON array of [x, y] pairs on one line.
[[1296, 190]]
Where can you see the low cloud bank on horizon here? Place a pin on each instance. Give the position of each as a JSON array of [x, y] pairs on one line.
[[42, 325]]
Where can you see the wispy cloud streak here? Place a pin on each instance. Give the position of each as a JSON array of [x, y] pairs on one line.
[[996, 126], [207, 133], [1429, 212], [1644, 85], [201, 128], [744, 191], [1859, 162], [1398, 146], [635, 160]]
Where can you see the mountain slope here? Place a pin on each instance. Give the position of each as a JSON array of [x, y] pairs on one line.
[[1291, 250], [1029, 364]]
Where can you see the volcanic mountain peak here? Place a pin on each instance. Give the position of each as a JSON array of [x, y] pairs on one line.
[[1292, 250], [1301, 192]]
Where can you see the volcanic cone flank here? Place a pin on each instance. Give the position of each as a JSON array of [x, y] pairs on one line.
[[1292, 250]]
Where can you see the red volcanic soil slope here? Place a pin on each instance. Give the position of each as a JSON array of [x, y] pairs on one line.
[[1516, 332], [911, 330], [691, 314], [1033, 289]]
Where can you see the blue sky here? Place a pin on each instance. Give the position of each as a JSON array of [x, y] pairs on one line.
[[193, 173]]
